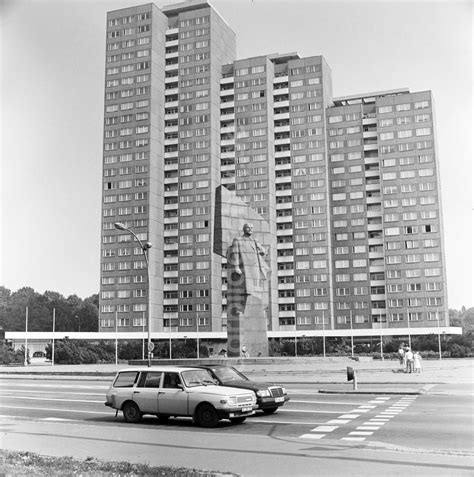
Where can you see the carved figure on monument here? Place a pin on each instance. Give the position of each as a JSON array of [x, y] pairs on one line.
[[246, 266]]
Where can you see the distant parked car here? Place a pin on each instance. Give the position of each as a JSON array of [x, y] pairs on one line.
[[38, 357], [166, 391], [269, 396]]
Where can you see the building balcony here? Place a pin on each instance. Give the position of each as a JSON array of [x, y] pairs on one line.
[[170, 233], [369, 119], [171, 92], [228, 168], [370, 161], [282, 129], [173, 54], [227, 155], [227, 142], [286, 300], [370, 174], [280, 104], [228, 80], [171, 207], [286, 273], [370, 147], [227, 116], [170, 116], [287, 259], [280, 142], [171, 142], [280, 91], [227, 129], [227, 180], [227, 92], [227, 104], [286, 286], [170, 301], [281, 116], [170, 287], [170, 246], [172, 67], [170, 260], [283, 153], [285, 246], [287, 314], [171, 104], [171, 79], [376, 254], [280, 79], [170, 274], [369, 135], [171, 129]]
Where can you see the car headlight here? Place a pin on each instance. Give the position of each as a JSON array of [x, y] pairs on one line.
[[263, 393], [283, 390], [232, 400]]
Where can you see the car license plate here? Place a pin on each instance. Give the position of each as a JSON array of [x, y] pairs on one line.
[[247, 409], [279, 399]]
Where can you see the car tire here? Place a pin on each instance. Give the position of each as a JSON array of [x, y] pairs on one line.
[[131, 412], [270, 410], [237, 420], [206, 416]]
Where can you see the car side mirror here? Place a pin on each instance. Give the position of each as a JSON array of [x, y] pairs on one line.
[[180, 386]]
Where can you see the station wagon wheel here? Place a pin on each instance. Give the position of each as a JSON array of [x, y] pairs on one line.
[[206, 416], [270, 410], [237, 420], [131, 412]]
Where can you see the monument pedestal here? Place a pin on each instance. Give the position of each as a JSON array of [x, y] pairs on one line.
[[246, 325]]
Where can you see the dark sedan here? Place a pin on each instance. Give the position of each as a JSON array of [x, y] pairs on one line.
[[269, 396]]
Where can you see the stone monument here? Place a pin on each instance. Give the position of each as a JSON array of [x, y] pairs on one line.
[[248, 274]]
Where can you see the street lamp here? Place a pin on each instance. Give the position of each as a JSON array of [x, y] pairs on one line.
[[145, 246]]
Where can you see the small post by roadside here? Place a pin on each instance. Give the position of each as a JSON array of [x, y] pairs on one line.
[[352, 376]]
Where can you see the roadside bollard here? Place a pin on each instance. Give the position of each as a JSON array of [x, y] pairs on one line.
[[351, 376]]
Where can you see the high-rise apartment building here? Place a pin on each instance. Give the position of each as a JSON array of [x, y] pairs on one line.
[[349, 186]]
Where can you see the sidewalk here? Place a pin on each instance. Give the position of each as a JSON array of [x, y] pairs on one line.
[[330, 374]]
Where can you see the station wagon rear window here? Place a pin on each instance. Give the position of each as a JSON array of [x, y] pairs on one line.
[[126, 379]]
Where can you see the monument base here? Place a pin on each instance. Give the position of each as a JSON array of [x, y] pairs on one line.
[[246, 326]]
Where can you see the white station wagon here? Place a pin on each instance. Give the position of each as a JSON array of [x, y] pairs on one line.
[[171, 391]]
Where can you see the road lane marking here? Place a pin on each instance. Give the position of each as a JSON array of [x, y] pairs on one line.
[[353, 439], [368, 428], [324, 428], [54, 386], [51, 392], [349, 416], [54, 410], [338, 421], [325, 402], [360, 433], [31, 398]]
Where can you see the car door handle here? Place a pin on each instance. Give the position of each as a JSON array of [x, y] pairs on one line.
[[161, 392], [136, 392]]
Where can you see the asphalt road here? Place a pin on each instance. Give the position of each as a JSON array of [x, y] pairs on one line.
[[340, 434]]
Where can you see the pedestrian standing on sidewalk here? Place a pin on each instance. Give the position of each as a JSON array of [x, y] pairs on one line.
[[409, 358], [401, 354], [417, 362]]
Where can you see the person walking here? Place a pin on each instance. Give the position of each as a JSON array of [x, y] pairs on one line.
[[409, 358], [244, 353], [417, 362]]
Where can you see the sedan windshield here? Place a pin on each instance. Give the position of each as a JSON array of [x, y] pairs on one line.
[[197, 377], [227, 374]]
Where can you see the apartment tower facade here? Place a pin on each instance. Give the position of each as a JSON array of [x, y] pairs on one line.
[[349, 186]]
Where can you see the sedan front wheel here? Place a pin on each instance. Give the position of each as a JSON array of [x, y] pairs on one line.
[[206, 416]]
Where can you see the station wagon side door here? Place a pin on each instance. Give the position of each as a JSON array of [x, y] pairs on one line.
[[146, 392], [172, 399]]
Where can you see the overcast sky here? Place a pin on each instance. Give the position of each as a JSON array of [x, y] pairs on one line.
[[52, 96]]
